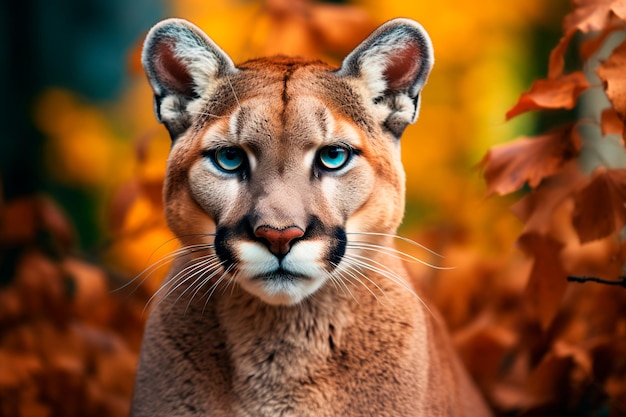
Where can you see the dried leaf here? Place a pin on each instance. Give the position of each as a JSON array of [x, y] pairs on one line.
[[591, 45], [17, 368], [601, 206], [556, 62], [552, 379], [548, 280], [40, 285], [153, 189], [611, 122], [90, 291], [536, 208], [53, 220], [23, 218], [586, 16], [483, 346], [600, 258], [611, 72], [508, 167], [591, 15], [18, 221], [121, 203], [551, 93]]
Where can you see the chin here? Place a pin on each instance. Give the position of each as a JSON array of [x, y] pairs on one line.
[[281, 288]]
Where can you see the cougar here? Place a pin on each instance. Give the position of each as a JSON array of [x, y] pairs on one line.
[[285, 188]]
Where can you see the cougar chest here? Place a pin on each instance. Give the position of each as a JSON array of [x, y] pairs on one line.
[[281, 356]]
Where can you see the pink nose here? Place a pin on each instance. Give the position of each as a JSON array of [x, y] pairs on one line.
[[278, 240]]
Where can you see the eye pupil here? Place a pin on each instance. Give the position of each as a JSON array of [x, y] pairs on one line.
[[333, 153]]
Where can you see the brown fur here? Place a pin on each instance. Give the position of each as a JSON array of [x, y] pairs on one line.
[[363, 346]]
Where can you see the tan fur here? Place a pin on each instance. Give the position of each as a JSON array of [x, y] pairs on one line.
[[357, 344]]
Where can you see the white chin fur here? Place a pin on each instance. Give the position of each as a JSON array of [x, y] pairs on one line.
[[303, 261]]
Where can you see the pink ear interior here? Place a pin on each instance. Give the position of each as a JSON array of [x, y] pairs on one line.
[[172, 70], [403, 67]]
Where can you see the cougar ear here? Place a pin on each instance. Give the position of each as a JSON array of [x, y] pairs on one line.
[[183, 66], [394, 62]]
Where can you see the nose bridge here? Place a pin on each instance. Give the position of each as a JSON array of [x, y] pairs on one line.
[[281, 203]]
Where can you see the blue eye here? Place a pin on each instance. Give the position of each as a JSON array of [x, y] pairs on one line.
[[229, 159], [334, 157]]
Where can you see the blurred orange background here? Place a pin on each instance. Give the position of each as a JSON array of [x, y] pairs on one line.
[[486, 54], [81, 129]]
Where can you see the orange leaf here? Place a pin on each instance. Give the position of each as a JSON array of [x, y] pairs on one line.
[[601, 206], [53, 220], [537, 208], [548, 280], [554, 377], [556, 61], [508, 167], [90, 297], [611, 122], [590, 15], [611, 72], [586, 16], [18, 221], [591, 45], [552, 93], [121, 203], [153, 189]]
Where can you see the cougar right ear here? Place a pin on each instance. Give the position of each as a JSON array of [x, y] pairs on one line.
[[183, 65], [394, 63]]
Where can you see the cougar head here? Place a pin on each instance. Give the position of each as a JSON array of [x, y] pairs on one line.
[[277, 162]]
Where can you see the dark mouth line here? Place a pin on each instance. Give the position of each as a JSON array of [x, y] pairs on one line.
[[280, 274]]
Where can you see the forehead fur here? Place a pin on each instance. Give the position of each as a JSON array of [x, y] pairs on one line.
[[285, 79]]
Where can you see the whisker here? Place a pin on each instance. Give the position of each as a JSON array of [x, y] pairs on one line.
[[402, 238], [333, 280], [233, 90], [209, 293], [346, 270], [220, 279], [378, 267], [214, 269], [177, 280], [212, 288], [204, 113], [388, 273], [199, 268], [394, 253], [341, 284], [152, 268]]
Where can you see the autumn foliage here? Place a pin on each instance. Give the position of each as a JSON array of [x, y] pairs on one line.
[[563, 190], [574, 211], [68, 347], [537, 344]]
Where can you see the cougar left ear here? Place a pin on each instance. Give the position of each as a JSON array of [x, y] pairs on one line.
[[183, 66], [394, 62]]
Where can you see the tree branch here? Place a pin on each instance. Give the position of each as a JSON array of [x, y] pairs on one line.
[[621, 281]]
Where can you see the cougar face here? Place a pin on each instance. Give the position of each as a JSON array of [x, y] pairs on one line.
[[281, 159], [287, 171]]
